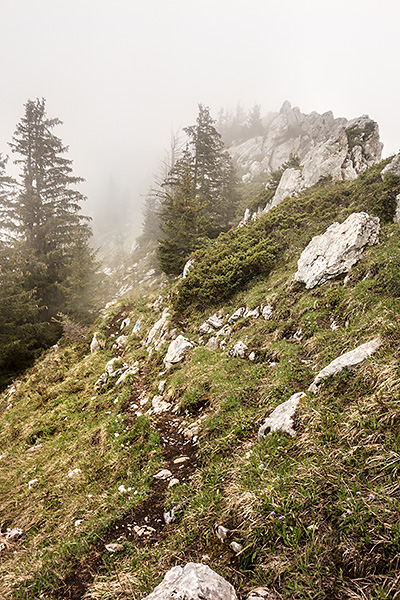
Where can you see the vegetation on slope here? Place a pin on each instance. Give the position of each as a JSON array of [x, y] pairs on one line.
[[316, 514], [244, 253]]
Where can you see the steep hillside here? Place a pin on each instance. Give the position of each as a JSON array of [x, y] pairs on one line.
[[146, 452]]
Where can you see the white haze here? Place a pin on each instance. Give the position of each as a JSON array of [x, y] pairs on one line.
[[123, 75]]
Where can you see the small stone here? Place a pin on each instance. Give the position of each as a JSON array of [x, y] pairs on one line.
[[73, 473], [163, 474], [173, 482], [114, 547], [267, 312], [252, 356], [181, 459], [78, 522], [122, 489], [238, 350], [32, 483], [236, 547], [14, 534], [238, 314], [170, 516], [221, 532]]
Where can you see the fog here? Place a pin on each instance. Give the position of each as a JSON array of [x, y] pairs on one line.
[[123, 75]]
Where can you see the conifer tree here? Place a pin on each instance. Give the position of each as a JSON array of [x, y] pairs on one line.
[[46, 213], [201, 186]]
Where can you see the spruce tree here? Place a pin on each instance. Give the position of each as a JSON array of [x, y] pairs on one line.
[[199, 198], [46, 214]]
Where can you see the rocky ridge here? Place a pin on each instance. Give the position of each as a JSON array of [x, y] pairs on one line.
[[326, 147]]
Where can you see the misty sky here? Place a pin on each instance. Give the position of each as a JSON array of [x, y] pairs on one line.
[[123, 74]]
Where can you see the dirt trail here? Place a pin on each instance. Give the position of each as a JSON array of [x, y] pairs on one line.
[[144, 524]]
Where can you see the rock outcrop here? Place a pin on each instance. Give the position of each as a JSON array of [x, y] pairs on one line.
[[333, 253], [348, 360], [193, 582], [177, 350], [281, 419], [325, 147]]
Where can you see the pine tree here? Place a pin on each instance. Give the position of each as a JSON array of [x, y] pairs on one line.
[[46, 211], [179, 215], [201, 185]]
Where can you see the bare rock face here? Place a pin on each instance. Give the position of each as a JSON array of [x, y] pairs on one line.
[[193, 582], [281, 419], [325, 146], [337, 250], [346, 361]]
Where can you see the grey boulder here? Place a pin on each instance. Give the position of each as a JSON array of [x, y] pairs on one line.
[[333, 253], [194, 581], [177, 350]]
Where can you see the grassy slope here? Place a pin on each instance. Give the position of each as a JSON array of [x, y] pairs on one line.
[[317, 514]]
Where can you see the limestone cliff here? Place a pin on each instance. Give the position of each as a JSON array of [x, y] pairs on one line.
[[325, 146]]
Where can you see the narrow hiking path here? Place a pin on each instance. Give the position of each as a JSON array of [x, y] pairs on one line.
[[144, 524]]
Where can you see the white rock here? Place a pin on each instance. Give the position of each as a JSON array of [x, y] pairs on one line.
[[267, 312], [161, 386], [177, 350], [32, 483], [112, 366], [94, 345], [253, 314], [216, 321], [298, 335], [121, 341], [159, 405], [396, 217], [252, 356], [224, 332], [291, 183], [337, 250], [132, 370], [188, 267], [163, 474], [125, 323], [170, 516], [102, 380], [236, 547], [180, 460], [238, 314], [221, 532], [193, 582], [122, 489], [238, 350], [173, 482], [13, 534], [213, 343], [346, 361], [158, 328], [73, 473], [114, 547], [281, 419], [206, 328]]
